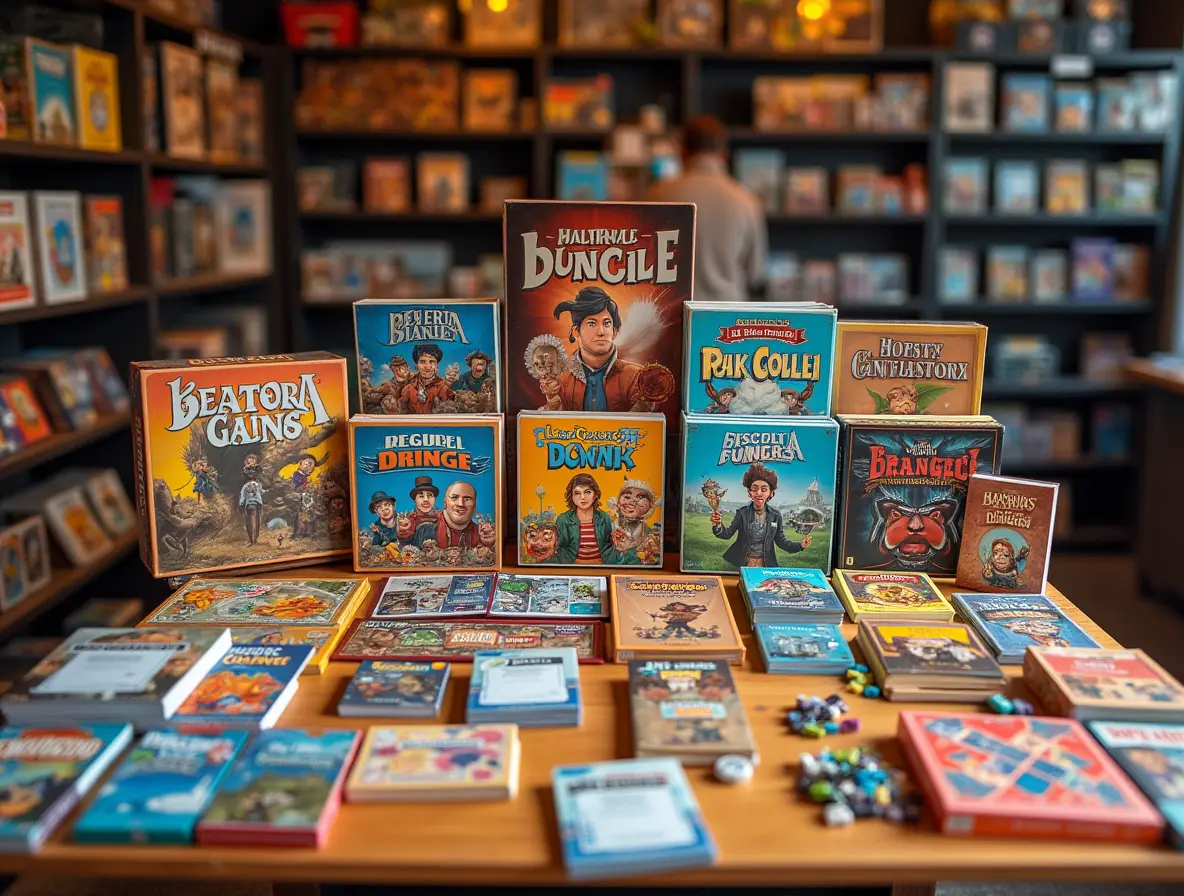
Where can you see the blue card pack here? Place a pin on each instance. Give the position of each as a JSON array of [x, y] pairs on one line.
[[803, 649], [758, 359], [1011, 623], [396, 689], [160, 790], [248, 688], [776, 592], [532, 687]]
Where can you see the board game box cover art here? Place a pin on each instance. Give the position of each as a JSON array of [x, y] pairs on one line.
[[1153, 756], [441, 639], [1023, 776], [1011, 623], [1007, 534], [757, 492], [909, 368], [427, 492], [595, 292], [591, 489], [447, 595], [946, 648], [291, 602], [240, 462], [428, 357], [904, 498], [665, 617], [758, 359]]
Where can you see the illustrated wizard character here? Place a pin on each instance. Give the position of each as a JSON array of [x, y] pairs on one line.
[[426, 388], [597, 379], [457, 528], [1003, 566], [478, 376], [758, 526]]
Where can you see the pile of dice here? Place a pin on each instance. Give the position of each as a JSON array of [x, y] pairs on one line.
[[815, 717], [860, 681], [855, 783]]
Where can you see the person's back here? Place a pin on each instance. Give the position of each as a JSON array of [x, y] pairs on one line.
[[730, 232]]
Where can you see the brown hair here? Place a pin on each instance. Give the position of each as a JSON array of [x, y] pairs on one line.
[[704, 133], [586, 480], [760, 472], [1010, 548]]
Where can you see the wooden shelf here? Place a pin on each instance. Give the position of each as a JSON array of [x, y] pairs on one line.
[[878, 309], [1057, 387], [182, 26], [363, 216], [96, 302], [451, 51], [1132, 59], [64, 583], [1087, 220], [61, 443], [380, 134], [25, 149], [1139, 138], [752, 135], [1065, 308], [844, 219], [164, 162], [182, 286]]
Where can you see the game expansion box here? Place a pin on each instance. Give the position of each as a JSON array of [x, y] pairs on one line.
[[240, 462]]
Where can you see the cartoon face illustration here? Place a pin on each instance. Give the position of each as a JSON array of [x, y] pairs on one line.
[[915, 534], [544, 361], [460, 502], [902, 399], [635, 503], [583, 496], [1003, 555], [425, 500], [385, 510]]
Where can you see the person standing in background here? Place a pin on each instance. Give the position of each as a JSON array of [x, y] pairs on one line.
[[731, 237]]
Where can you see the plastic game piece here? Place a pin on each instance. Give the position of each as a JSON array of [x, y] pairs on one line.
[[871, 692], [838, 815], [855, 687], [733, 769], [831, 727], [857, 782], [848, 726], [1023, 707], [813, 729], [1000, 704], [860, 667]]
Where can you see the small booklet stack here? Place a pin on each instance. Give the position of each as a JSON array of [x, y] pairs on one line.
[[635, 816], [936, 662], [250, 687], [799, 649], [137, 675], [1116, 685], [425, 763], [1011, 623], [773, 594], [402, 689], [534, 688]]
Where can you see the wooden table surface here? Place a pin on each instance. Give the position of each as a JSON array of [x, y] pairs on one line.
[[766, 833], [1149, 373]]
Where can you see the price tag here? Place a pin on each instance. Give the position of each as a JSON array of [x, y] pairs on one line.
[[218, 46], [1072, 67]]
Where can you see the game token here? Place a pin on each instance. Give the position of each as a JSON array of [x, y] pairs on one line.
[[733, 769]]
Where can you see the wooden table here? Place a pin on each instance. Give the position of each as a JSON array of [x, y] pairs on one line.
[[766, 834]]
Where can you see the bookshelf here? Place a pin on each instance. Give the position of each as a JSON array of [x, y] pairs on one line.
[[125, 322]]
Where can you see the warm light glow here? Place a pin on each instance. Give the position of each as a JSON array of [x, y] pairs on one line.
[[463, 5], [497, 5], [813, 10]]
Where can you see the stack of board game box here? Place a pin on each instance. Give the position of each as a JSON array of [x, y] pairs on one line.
[[688, 710], [905, 596], [533, 688], [801, 648], [250, 687], [425, 763], [132, 675], [789, 595], [1107, 684], [1011, 623], [932, 661], [401, 690]]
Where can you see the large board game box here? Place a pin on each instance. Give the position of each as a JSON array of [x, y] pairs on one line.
[[591, 488], [903, 498], [758, 359], [240, 462], [428, 357], [427, 491], [757, 491]]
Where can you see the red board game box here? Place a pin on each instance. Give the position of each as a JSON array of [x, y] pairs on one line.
[[321, 24], [1023, 776]]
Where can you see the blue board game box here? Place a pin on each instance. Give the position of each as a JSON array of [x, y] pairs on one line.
[[428, 357], [758, 359], [1011, 623], [757, 491], [396, 689], [789, 595], [803, 649], [533, 687], [160, 790], [1153, 756], [581, 175], [427, 492], [51, 89]]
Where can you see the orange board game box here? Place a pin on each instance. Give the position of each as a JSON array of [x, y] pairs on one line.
[[240, 462]]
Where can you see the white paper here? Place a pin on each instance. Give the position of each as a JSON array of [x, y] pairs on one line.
[[98, 671], [504, 684], [632, 819]]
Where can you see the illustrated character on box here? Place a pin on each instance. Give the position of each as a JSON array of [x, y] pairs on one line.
[[385, 396], [250, 499], [545, 361], [423, 494], [385, 529], [1165, 766], [540, 535], [633, 506], [936, 650], [913, 535], [458, 527], [1003, 565], [338, 515], [598, 378], [426, 388], [719, 399], [205, 479], [585, 531], [757, 526], [302, 475], [1042, 632], [795, 401], [676, 620], [251, 468], [480, 373]]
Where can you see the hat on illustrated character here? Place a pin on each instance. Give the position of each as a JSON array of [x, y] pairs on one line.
[[379, 496], [423, 484]]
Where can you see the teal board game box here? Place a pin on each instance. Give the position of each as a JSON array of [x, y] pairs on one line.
[[51, 89], [758, 359], [757, 491]]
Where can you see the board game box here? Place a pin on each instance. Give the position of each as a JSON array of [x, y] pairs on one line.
[[782, 472], [789, 595], [1153, 757], [442, 639], [396, 689], [57, 217], [909, 596], [51, 92], [448, 595], [1007, 534], [249, 687], [1023, 776], [18, 283], [1113, 684], [240, 462], [803, 648], [757, 359], [903, 501], [256, 602], [533, 688], [160, 790], [908, 368], [929, 661], [323, 640], [1011, 623], [555, 596], [284, 790], [688, 709], [437, 357], [607, 473], [411, 462], [659, 617], [96, 90]]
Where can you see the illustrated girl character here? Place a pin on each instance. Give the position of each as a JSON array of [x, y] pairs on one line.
[[1004, 565], [585, 531]]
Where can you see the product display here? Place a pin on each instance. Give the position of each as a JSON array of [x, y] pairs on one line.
[[903, 596], [1011, 623], [1111, 684], [772, 594], [379, 639], [666, 617], [1006, 534], [930, 662]]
